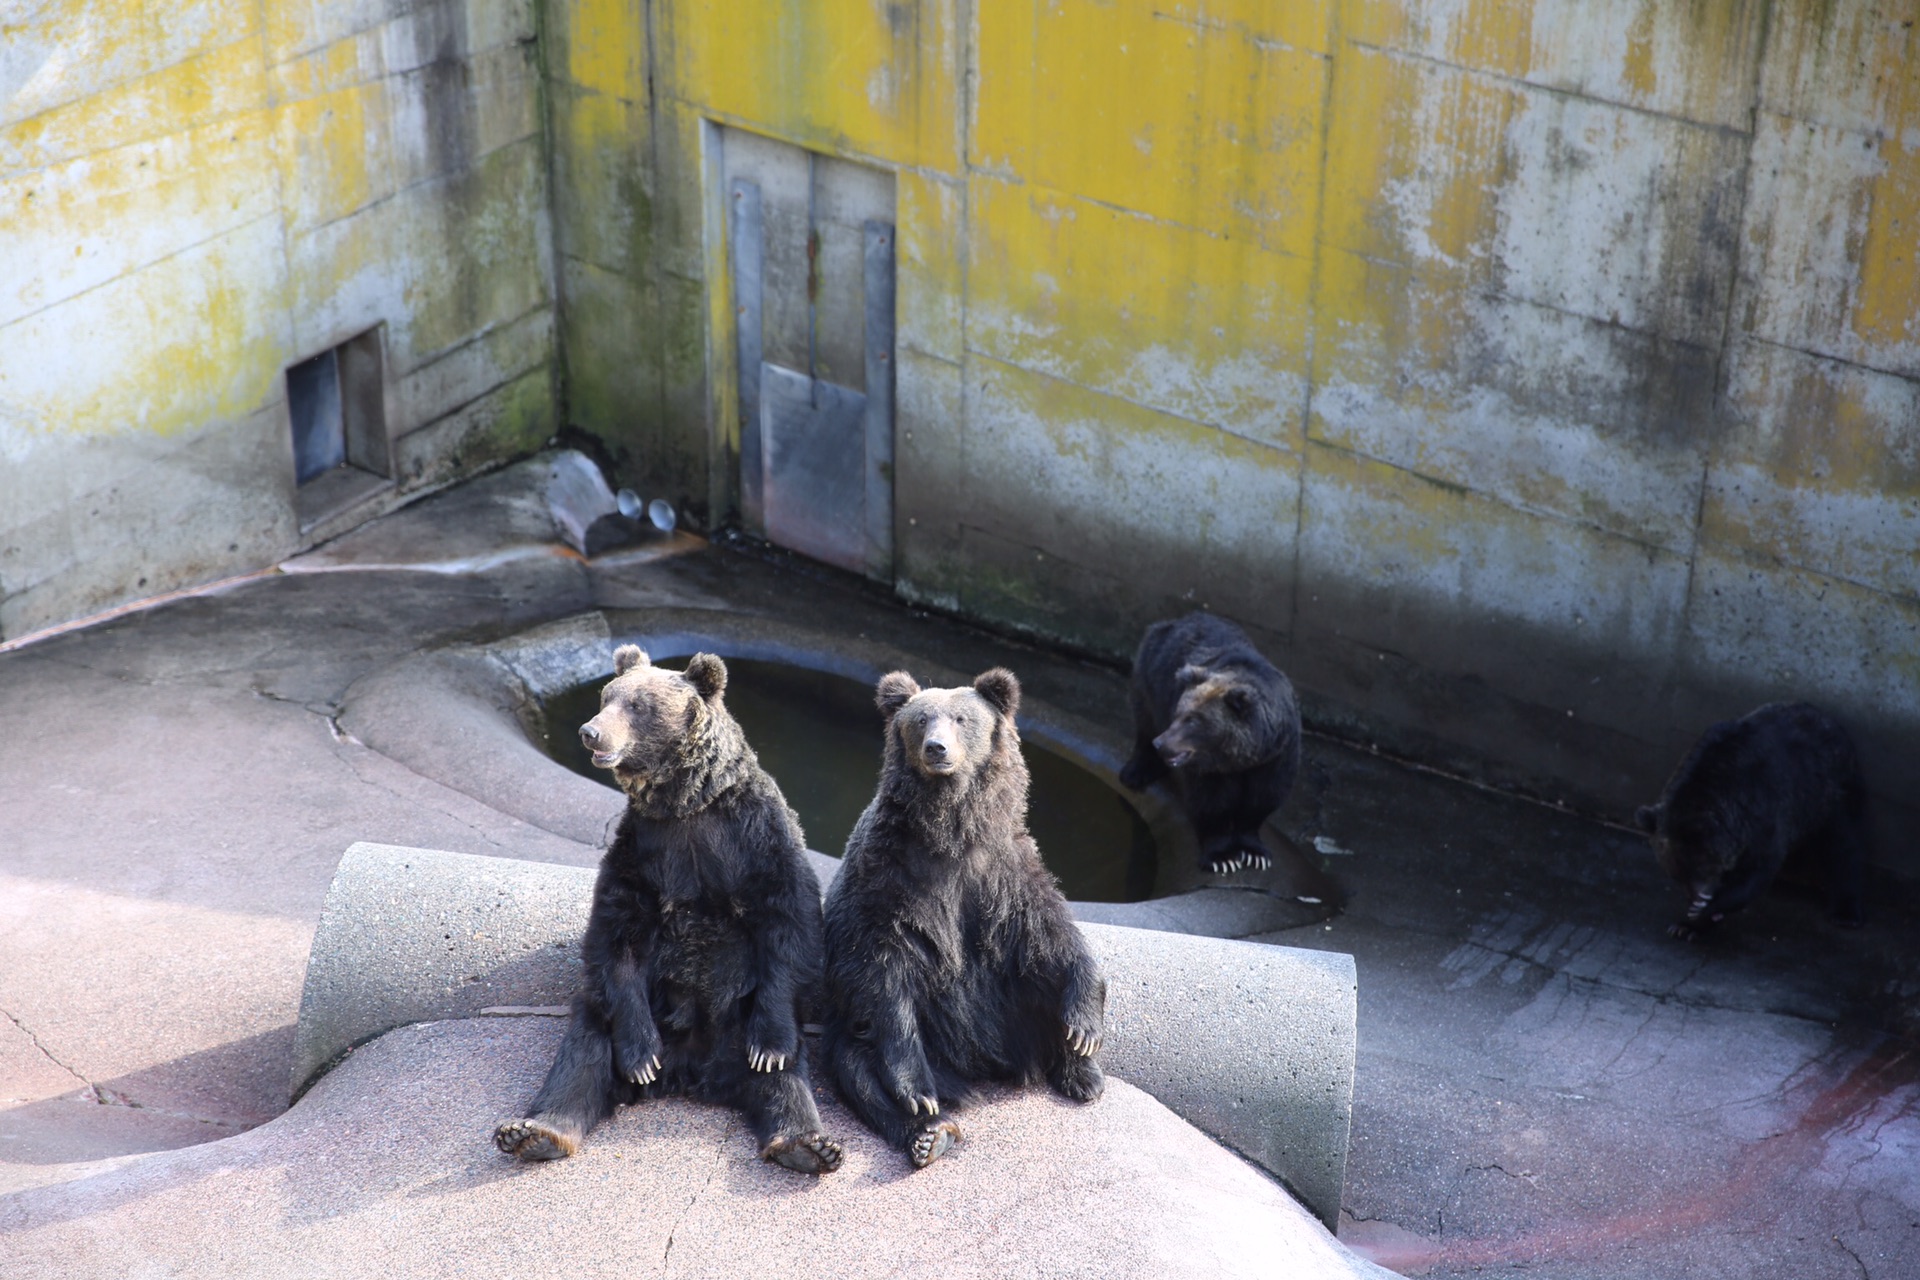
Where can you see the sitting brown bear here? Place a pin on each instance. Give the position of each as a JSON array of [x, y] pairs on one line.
[[951, 956], [704, 934]]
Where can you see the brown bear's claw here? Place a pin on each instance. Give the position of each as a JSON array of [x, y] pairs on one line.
[[1084, 1042], [766, 1060], [646, 1071], [926, 1102]]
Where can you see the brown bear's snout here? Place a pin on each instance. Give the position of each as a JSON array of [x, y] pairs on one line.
[[936, 748], [1176, 753], [596, 740]]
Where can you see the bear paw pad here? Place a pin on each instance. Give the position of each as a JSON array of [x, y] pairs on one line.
[[932, 1142], [531, 1140], [808, 1153]]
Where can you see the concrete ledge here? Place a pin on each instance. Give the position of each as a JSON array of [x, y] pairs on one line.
[[1253, 1044], [385, 1169], [466, 717]]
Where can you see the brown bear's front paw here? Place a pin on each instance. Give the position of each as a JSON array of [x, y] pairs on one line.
[[636, 1053], [1232, 861], [531, 1140], [932, 1142], [808, 1153], [1078, 1078], [1692, 928]]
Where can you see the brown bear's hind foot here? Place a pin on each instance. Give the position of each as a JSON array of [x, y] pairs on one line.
[[932, 1142], [807, 1153], [531, 1140]]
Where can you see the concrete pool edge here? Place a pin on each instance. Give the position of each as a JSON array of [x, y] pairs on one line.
[[467, 716], [1253, 1044]]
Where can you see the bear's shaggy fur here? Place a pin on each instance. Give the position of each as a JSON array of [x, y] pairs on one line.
[[1210, 710], [1781, 780], [951, 956], [704, 934]]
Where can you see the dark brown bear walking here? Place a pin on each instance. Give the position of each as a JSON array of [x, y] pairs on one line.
[[1213, 712], [1781, 780], [704, 935], [951, 956]]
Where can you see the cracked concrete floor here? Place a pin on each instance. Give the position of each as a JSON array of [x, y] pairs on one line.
[[1547, 1084]]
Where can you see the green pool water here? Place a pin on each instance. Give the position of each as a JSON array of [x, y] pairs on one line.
[[819, 735]]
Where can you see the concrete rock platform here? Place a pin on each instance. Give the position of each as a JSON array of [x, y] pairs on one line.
[[1547, 1085], [386, 1168], [1253, 1044]]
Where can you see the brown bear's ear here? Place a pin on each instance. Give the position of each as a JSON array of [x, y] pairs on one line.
[[893, 691], [708, 675], [1000, 689], [627, 657], [1190, 675], [1647, 818]]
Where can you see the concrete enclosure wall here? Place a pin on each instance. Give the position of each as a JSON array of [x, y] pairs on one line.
[[1540, 380], [195, 196]]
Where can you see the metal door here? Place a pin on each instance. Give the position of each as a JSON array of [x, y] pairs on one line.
[[813, 291]]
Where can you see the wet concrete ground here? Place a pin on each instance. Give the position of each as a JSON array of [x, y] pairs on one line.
[[1547, 1084]]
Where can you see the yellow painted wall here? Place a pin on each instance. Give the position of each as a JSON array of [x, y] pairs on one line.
[[1540, 378], [194, 196]]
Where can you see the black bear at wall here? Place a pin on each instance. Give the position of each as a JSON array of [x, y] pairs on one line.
[[704, 937], [1211, 711], [951, 955], [1782, 780]]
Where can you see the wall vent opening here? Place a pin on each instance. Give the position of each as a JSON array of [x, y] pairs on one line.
[[336, 408]]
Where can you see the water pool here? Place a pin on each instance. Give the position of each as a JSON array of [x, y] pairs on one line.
[[819, 735]]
